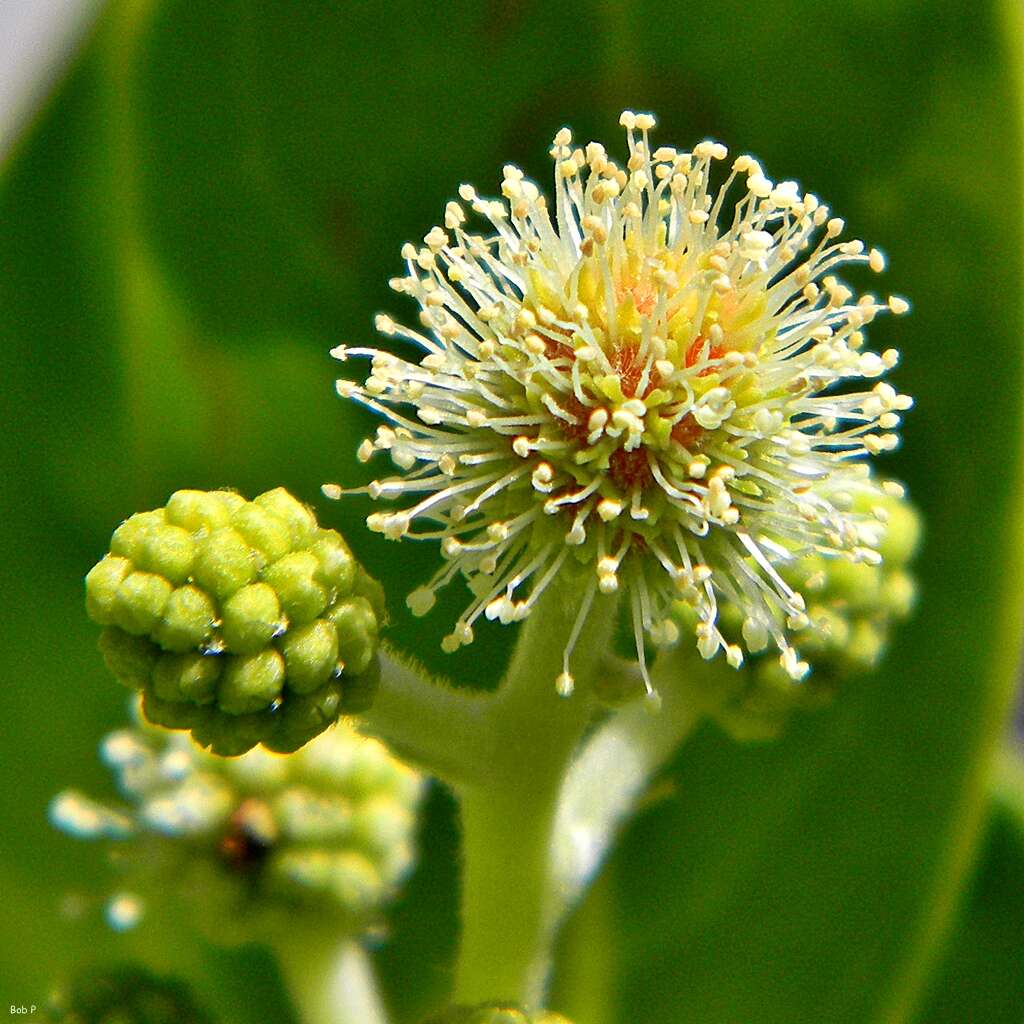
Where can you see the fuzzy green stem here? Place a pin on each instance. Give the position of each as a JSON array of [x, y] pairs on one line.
[[535, 836], [509, 910], [507, 930], [330, 983], [429, 723]]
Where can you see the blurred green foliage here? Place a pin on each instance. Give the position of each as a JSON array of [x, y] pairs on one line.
[[216, 195]]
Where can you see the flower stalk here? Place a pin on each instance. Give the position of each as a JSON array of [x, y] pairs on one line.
[[330, 982], [511, 908]]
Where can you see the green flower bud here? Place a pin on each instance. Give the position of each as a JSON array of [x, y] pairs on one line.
[[311, 655], [294, 579], [251, 618], [131, 658], [171, 714], [366, 586], [337, 569], [851, 609], [189, 677], [101, 586], [263, 530], [188, 620], [356, 625], [167, 551], [140, 602], [242, 621], [124, 995], [225, 563], [252, 682], [198, 511], [300, 521], [307, 715], [496, 1013], [129, 538], [230, 734], [250, 842], [360, 690]]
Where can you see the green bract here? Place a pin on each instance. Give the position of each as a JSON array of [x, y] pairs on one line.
[[248, 842], [242, 621]]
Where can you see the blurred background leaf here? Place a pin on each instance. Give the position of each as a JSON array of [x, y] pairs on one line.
[[982, 977], [217, 194]]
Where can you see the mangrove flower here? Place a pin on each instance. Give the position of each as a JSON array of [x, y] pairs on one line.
[[644, 376]]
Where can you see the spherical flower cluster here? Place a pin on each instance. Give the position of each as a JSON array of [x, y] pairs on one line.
[[669, 389], [246, 843], [242, 621]]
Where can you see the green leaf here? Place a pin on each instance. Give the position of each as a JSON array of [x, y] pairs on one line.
[[980, 977]]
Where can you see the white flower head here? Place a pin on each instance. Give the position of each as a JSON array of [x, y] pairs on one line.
[[639, 377]]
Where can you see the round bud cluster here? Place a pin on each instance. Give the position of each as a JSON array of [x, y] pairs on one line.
[[242, 621], [247, 842], [496, 1013], [850, 613], [124, 995]]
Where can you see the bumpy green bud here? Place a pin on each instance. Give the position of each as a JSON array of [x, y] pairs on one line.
[[199, 512], [298, 518], [124, 995], [242, 621], [186, 678], [496, 1013], [249, 842], [128, 540], [101, 586], [224, 563], [251, 618], [168, 551], [851, 610], [140, 602], [263, 530], [356, 625], [188, 620], [252, 682], [311, 653], [294, 578]]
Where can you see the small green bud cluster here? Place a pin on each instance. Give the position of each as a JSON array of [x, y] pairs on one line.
[[242, 621], [124, 995], [496, 1013], [247, 842], [852, 608]]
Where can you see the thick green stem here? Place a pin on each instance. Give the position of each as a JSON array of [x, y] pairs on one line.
[[536, 833], [509, 910], [445, 731], [507, 927], [330, 982]]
